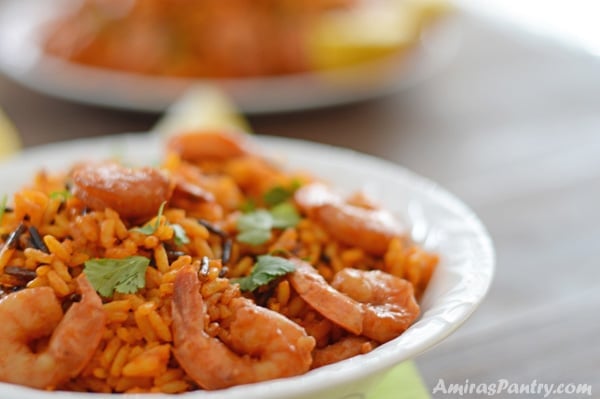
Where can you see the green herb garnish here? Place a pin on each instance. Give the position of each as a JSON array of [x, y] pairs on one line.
[[266, 269], [248, 206], [260, 219], [255, 227], [278, 194], [284, 215], [62, 195], [180, 237], [125, 275], [254, 237], [149, 228]]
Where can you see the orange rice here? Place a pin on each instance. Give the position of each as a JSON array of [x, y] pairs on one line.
[[135, 353]]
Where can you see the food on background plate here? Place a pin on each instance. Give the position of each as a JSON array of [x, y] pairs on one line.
[[238, 38], [219, 267]]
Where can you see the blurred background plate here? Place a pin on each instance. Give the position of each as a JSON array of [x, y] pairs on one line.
[[22, 59]]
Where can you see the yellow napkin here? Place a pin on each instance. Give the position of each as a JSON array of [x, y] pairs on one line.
[[9, 139], [403, 382]]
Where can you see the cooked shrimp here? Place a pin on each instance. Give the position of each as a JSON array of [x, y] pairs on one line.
[[133, 193], [332, 304], [264, 344], [370, 303], [192, 181], [208, 144], [187, 188], [255, 175], [367, 228], [35, 313], [388, 301]]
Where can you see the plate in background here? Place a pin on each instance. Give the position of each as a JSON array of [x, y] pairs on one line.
[[22, 59]]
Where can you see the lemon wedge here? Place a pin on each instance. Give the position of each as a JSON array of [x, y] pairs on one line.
[[9, 138], [370, 31], [203, 107]]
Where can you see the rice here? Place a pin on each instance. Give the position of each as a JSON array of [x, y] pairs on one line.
[[135, 352]]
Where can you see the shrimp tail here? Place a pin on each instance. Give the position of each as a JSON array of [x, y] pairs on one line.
[[187, 298], [191, 340], [84, 319]]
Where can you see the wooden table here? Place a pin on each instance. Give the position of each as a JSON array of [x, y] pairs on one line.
[[512, 127]]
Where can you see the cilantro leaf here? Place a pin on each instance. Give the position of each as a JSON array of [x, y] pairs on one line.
[[278, 194], [284, 215], [266, 269], [3, 202], [180, 237], [248, 206], [125, 275], [255, 227], [255, 236], [260, 219], [151, 229], [61, 195]]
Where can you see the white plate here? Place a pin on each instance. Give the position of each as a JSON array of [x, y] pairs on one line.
[[438, 221], [22, 59]]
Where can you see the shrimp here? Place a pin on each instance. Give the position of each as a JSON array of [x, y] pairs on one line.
[[368, 228], [263, 344], [372, 303], [35, 313], [388, 301], [332, 304], [209, 144], [206, 187], [133, 193]]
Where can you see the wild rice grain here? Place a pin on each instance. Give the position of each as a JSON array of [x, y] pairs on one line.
[[36, 240]]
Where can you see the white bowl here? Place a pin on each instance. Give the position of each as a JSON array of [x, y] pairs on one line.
[[439, 221]]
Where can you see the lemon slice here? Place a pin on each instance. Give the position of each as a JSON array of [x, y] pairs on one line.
[[203, 107], [372, 30], [9, 138]]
